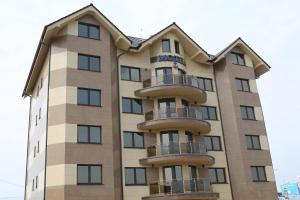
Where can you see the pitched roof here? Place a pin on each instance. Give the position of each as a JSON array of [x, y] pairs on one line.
[[135, 41]]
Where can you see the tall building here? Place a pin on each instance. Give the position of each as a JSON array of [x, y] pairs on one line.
[[116, 117]]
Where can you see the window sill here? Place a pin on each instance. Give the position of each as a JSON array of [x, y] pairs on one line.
[[136, 185], [133, 113], [220, 183], [89, 38], [249, 119], [134, 148], [261, 181], [88, 70], [90, 184], [89, 143], [254, 149], [240, 65], [131, 80], [87, 105]]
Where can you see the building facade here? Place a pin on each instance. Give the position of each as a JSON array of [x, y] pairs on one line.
[[119, 117]]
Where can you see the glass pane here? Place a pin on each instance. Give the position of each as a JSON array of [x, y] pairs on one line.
[[96, 174], [201, 83], [177, 47], [212, 175], [82, 174], [240, 58], [168, 174], [208, 84], [216, 143], [250, 113], [82, 134], [136, 106], [239, 84], [95, 98], [95, 64], [178, 173], [128, 140], [135, 74], [256, 143], [249, 142], [188, 137], [254, 174], [140, 176], [95, 134], [193, 172], [212, 113], [126, 105], [175, 137], [125, 73], [243, 112], [204, 111], [233, 58], [82, 30], [261, 173], [83, 62], [165, 138], [83, 96], [129, 176], [221, 175], [94, 32], [165, 46], [138, 140], [245, 86], [207, 141]]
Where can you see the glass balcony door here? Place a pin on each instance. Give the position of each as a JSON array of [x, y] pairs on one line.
[[169, 142], [164, 75], [167, 107], [193, 179], [173, 181]]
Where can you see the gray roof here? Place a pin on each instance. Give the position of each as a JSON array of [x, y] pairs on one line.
[[135, 41]]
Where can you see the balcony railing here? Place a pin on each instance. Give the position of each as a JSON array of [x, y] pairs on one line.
[[172, 79], [173, 112], [180, 186], [176, 148]]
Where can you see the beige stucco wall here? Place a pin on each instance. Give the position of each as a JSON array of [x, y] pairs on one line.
[[264, 142], [64, 174], [258, 113]]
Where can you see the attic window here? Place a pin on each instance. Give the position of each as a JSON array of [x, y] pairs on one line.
[[166, 45], [88, 31], [237, 58]]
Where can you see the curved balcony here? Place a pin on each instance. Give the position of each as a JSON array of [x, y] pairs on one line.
[[173, 85], [181, 190], [177, 154], [187, 118]]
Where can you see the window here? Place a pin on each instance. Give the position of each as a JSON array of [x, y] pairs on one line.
[[40, 113], [237, 58], [213, 143], [205, 84], [247, 113], [130, 73], [133, 140], [34, 151], [130, 105], [37, 91], [41, 83], [89, 174], [36, 120], [32, 185], [209, 112], [88, 62], [89, 134], [253, 142], [36, 182], [177, 49], [38, 147], [89, 97], [166, 45], [88, 31], [135, 176], [258, 174], [217, 175], [242, 85]]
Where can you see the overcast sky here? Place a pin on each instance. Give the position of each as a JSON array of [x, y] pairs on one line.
[[271, 28]]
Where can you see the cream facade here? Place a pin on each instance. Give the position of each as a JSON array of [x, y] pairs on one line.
[[170, 117]]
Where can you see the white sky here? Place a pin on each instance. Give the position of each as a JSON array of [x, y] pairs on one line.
[[271, 28]]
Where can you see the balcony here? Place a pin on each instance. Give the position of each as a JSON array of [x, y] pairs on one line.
[[181, 190], [177, 154], [186, 118], [173, 85]]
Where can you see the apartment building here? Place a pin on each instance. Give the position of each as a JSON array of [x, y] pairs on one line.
[[117, 117]]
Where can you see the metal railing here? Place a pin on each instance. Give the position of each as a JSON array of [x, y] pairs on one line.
[[177, 148], [180, 186], [172, 79], [175, 112]]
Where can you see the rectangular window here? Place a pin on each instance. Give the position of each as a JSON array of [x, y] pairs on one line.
[[217, 175], [258, 174], [34, 151], [237, 58], [177, 49], [88, 97], [32, 185], [89, 134], [166, 45], [41, 83], [135, 176], [213, 143], [88, 31], [253, 142], [205, 84], [242, 85], [36, 182], [36, 119], [40, 113], [130, 73], [209, 112], [247, 113], [37, 91], [89, 174], [38, 147], [130, 105], [133, 140], [90, 63]]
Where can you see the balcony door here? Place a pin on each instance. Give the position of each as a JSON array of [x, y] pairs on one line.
[[164, 75], [182, 78], [193, 179], [173, 181], [167, 108], [189, 142], [169, 142]]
